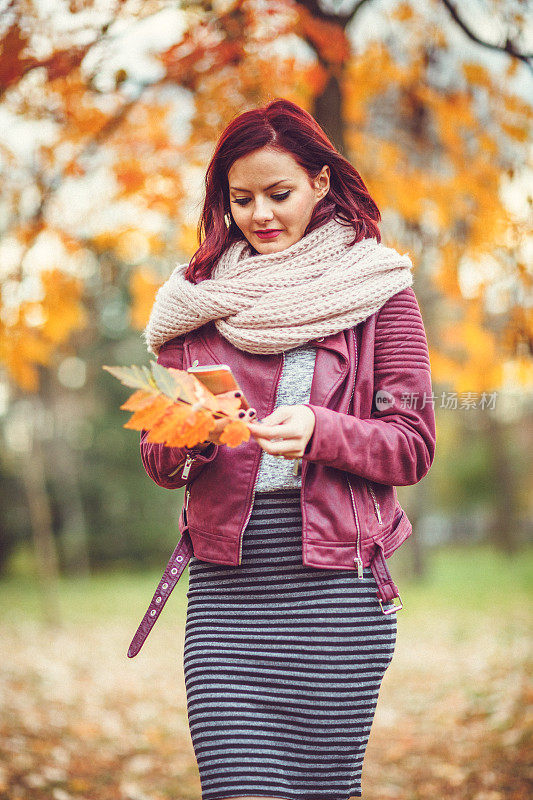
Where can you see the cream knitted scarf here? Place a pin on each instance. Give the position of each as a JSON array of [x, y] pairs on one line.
[[274, 302]]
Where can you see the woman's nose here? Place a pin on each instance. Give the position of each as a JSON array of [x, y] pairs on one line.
[[262, 211]]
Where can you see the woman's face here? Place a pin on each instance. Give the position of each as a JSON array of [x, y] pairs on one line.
[[269, 191]]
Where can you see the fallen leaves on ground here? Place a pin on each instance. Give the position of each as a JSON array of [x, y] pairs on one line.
[[81, 721]]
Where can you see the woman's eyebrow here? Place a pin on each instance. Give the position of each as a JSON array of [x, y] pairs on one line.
[[238, 189]]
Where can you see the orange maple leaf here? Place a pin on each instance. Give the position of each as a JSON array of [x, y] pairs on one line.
[[234, 433], [171, 425], [147, 416], [195, 427], [138, 400]]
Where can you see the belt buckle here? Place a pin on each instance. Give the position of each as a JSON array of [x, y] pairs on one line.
[[394, 608]]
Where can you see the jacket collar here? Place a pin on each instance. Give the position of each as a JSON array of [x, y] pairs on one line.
[[332, 357], [335, 342], [219, 346], [332, 360]]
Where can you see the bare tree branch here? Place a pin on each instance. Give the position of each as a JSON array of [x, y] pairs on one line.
[[509, 47], [341, 19]]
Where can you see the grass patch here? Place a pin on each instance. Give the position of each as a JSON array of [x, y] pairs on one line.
[[475, 577], [467, 579]]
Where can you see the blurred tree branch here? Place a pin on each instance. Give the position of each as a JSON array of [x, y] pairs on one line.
[[509, 47]]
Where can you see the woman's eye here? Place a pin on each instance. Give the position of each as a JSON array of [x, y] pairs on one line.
[[242, 201]]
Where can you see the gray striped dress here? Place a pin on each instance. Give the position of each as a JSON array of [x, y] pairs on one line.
[[283, 662]]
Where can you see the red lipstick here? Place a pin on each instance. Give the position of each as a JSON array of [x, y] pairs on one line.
[[268, 234]]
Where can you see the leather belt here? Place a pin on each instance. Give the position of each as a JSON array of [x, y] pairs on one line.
[[173, 572], [387, 589]]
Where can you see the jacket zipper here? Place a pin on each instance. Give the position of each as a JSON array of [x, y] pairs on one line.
[[257, 473], [187, 467], [185, 518], [190, 458], [358, 560], [376, 504]]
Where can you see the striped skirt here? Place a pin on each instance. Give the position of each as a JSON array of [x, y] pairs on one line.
[[283, 664]]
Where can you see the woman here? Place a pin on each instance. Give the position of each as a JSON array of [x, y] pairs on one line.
[[286, 643]]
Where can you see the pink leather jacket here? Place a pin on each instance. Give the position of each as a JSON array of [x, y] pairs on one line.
[[372, 398]]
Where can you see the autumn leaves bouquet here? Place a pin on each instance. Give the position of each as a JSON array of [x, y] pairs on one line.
[[177, 409]]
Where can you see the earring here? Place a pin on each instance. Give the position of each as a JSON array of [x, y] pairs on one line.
[[227, 220]]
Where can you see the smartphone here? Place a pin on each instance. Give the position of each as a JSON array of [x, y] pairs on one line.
[[218, 378]]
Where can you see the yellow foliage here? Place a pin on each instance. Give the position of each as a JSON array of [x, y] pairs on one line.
[[469, 359], [511, 68], [476, 73], [20, 351], [63, 310], [315, 77], [515, 105], [130, 245], [187, 240], [39, 328], [327, 37], [366, 77], [130, 175], [476, 376], [403, 12], [522, 372], [444, 369], [143, 286], [469, 374], [24, 374], [103, 241], [518, 132], [184, 412], [82, 118]]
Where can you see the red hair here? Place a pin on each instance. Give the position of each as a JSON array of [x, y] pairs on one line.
[[284, 126]]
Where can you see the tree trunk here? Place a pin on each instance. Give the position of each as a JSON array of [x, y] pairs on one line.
[[328, 112], [33, 477], [504, 528], [74, 535], [417, 502]]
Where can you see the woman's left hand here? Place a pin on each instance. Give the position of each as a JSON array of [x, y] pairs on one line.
[[293, 425]]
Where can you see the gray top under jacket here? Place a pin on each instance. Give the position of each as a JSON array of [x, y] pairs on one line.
[[294, 388]]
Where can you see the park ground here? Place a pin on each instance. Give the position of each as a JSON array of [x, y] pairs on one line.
[[81, 721]]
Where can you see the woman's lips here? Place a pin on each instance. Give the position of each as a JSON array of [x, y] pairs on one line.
[[267, 234]]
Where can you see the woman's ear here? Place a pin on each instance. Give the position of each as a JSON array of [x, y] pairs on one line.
[[322, 182]]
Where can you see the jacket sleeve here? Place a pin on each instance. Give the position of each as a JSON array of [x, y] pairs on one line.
[[165, 464], [396, 445]]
